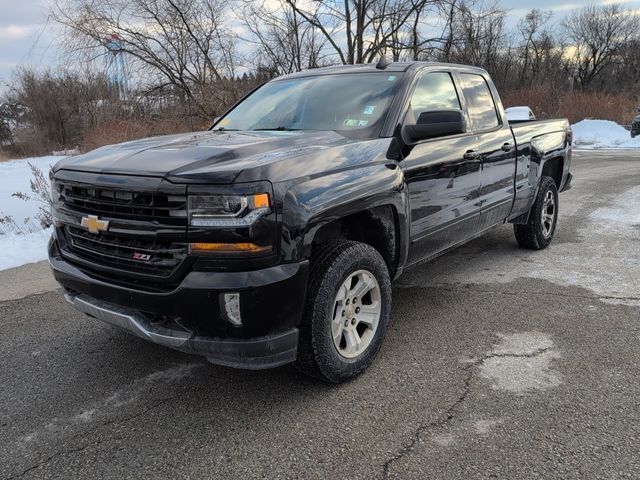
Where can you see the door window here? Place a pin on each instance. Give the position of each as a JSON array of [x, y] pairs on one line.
[[482, 108], [434, 91]]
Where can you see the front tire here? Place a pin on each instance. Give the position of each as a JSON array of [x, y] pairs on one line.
[[347, 311], [538, 232]]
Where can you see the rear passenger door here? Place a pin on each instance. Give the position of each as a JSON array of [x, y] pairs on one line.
[[496, 147], [443, 174]]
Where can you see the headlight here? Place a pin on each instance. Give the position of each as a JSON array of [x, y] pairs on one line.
[[54, 189], [54, 193], [227, 210]]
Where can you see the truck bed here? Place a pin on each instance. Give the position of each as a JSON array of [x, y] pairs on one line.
[[524, 132]]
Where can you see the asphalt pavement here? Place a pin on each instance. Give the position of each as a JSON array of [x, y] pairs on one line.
[[499, 363]]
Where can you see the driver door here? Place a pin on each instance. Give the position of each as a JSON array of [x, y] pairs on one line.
[[443, 174]]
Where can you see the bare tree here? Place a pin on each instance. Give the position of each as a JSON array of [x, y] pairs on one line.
[[598, 34], [627, 73], [182, 44], [284, 41], [536, 42], [418, 36], [9, 113], [55, 108], [476, 33], [357, 31]]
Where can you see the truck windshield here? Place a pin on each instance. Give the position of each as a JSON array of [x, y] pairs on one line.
[[352, 103]]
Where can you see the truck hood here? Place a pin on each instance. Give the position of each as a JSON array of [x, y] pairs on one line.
[[211, 156]]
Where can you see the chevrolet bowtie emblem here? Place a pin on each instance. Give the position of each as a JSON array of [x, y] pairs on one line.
[[94, 224]]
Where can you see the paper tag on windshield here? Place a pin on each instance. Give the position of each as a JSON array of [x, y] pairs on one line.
[[369, 109]]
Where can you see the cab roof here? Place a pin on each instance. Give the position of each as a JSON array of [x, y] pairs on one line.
[[372, 68]]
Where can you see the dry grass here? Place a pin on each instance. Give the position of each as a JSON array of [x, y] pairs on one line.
[[125, 130], [5, 156], [548, 102]]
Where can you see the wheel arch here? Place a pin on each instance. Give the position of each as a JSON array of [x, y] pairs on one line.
[[554, 168], [376, 226]]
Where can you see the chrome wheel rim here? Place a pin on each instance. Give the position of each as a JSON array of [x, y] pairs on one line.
[[548, 213], [356, 314]]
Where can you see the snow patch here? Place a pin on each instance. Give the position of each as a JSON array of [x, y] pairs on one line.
[[444, 439], [85, 416], [594, 134], [19, 249], [141, 390], [24, 242], [622, 216], [14, 177], [484, 427]]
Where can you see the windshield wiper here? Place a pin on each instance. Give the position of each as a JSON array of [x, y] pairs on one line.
[[222, 129], [276, 129]]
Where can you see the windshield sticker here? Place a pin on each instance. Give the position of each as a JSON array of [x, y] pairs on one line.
[[368, 110], [363, 123], [350, 122], [391, 78]]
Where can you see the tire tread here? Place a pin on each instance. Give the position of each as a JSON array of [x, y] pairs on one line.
[[530, 234], [313, 358]]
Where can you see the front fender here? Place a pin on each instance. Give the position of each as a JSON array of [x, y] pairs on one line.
[[311, 204]]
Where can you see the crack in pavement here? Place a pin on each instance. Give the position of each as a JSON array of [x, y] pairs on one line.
[[66, 452], [52, 456], [450, 412]]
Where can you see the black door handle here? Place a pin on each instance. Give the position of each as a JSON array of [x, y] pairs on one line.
[[507, 147], [471, 155]]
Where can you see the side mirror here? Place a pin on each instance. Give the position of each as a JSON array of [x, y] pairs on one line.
[[435, 124]]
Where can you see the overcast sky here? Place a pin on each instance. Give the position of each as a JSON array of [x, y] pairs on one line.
[[27, 38]]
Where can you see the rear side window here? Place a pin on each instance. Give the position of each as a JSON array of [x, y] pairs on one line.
[[434, 91], [482, 109]]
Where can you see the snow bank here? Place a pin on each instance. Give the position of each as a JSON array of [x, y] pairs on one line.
[[18, 249], [592, 134], [31, 246], [14, 177]]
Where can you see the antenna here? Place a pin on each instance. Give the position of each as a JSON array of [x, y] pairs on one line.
[[116, 68], [383, 63]]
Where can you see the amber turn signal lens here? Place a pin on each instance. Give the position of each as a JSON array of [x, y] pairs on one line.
[[229, 247], [259, 200]]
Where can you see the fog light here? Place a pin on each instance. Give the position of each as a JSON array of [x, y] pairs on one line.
[[230, 305]]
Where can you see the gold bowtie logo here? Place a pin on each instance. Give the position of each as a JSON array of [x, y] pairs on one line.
[[94, 224]]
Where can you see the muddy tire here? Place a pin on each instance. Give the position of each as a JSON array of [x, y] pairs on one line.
[[347, 311], [538, 232]]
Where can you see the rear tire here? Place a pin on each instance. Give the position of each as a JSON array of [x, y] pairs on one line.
[[347, 311], [538, 232]]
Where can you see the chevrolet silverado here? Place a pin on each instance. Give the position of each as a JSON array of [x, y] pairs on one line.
[[274, 236]]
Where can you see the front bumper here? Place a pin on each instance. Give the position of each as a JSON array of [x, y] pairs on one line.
[[255, 353], [189, 318]]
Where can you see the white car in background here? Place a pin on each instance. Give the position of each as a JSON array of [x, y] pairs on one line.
[[519, 114]]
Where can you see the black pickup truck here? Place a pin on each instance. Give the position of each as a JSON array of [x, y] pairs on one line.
[[274, 236]]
